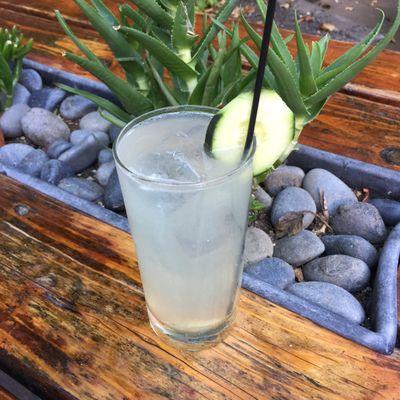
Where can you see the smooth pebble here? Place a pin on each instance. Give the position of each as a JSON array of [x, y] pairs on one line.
[[257, 246], [283, 177], [330, 297], [274, 271], [43, 128], [82, 188], [347, 272], [10, 121], [299, 249], [361, 219], [94, 122], [351, 245], [55, 170], [320, 182]]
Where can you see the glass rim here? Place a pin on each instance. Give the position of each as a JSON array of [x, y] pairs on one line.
[[162, 182]]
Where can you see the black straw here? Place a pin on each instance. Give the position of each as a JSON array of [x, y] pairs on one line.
[[260, 73]]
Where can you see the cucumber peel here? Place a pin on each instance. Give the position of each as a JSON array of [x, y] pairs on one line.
[[275, 129]]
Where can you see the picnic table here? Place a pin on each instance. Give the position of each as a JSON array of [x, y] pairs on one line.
[[73, 323]]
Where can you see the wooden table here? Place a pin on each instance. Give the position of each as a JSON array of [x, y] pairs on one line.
[[72, 314]]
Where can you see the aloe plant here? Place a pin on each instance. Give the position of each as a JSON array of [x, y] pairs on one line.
[[306, 82], [164, 60], [12, 52]]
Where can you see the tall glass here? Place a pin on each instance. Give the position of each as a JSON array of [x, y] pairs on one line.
[[189, 236]]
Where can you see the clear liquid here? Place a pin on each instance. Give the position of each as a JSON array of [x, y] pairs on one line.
[[189, 238]]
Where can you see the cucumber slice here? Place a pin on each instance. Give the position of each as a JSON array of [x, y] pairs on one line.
[[275, 128]]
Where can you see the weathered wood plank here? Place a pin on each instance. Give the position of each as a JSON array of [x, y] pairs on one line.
[[6, 395], [373, 126], [73, 325], [356, 128], [383, 74]]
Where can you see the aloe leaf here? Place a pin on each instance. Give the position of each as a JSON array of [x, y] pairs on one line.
[[341, 79], [278, 43], [306, 78], [315, 59], [182, 41], [171, 5], [162, 85], [112, 118], [105, 12], [132, 100], [162, 35], [232, 68], [17, 71], [100, 101], [286, 84], [83, 48], [211, 86], [213, 29], [162, 53], [262, 8], [288, 39], [350, 55], [256, 38], [323, 45], [5, 74], [196, 97], [344, 61], [251, 57], [113, 38], [155, 12], [190, 7], [129, 12]]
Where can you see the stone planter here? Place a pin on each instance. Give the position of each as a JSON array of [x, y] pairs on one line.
[[384, 183]]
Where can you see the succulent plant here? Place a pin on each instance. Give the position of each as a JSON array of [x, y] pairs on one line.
[[163, 59], [12, 52], [306, 82]]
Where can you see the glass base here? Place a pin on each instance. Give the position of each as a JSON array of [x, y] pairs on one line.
[[192, 341]]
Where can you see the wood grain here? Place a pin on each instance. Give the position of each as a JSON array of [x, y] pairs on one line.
[[383, 74], [73, 325], [5, 395], [360, 125]]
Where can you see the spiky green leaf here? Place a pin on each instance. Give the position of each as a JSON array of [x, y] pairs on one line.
[[105, 12], [182, 39], [132, 100], [344, 77], [100, 101], [196, 97], [315, 59], [353, 53], [211, 87], [162, 85], [129, 12], [155, 11], [277, 42], [346, 59], [162, 53], [82, 47], [307, 81], [213, 29], [6, 74]]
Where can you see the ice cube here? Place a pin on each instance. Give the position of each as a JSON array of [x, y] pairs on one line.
[[171, 166]]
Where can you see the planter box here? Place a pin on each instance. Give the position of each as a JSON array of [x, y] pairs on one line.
[[381, 182]]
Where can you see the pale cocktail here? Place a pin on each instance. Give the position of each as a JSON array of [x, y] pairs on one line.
[[188, 217]]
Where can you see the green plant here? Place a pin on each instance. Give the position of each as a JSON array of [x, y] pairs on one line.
[[164, 61], [202, 5], [12, 52], [306, 83]]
